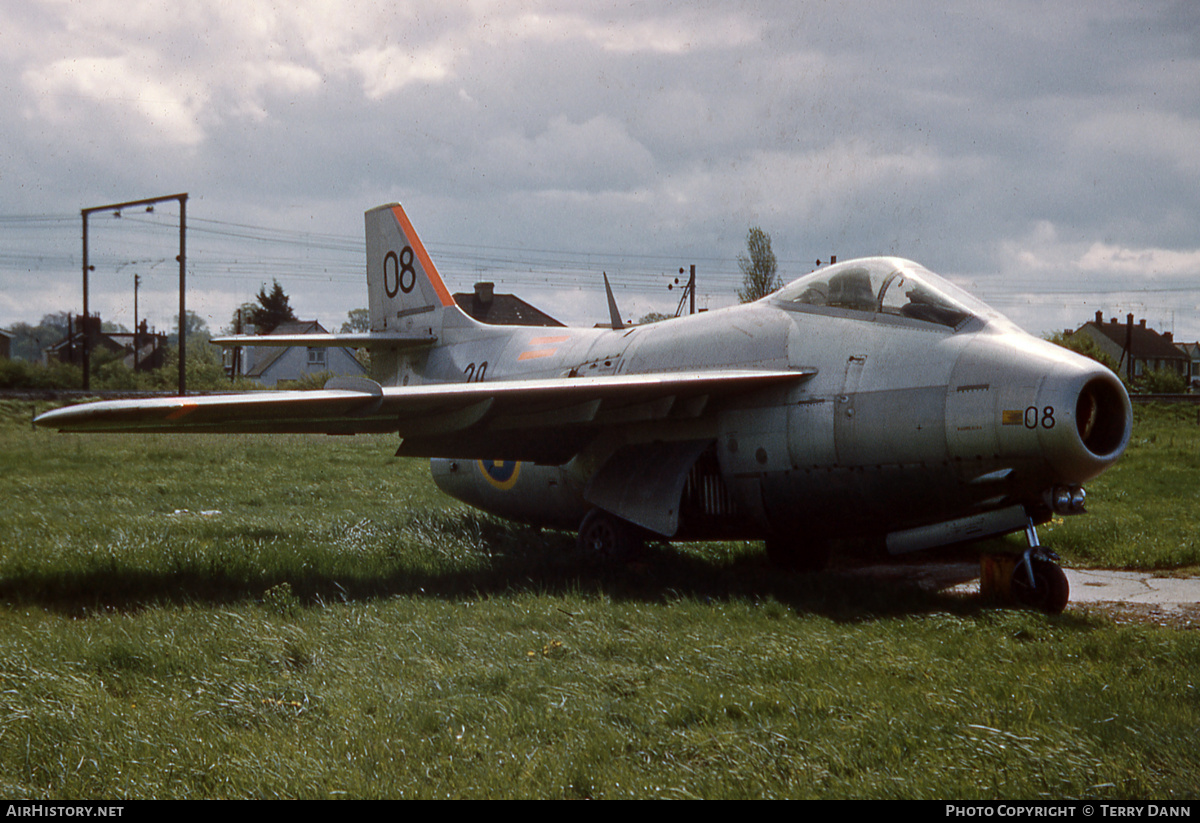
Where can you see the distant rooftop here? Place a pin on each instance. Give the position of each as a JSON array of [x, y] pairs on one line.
[[486, 306], [1145, 343]]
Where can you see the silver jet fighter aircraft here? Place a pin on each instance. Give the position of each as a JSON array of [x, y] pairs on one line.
[[868, 399]]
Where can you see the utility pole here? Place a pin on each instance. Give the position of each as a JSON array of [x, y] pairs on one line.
[[182, 295], [182, 258], [688, 291], [86, 354], [235, 366], [1128, 353], [137, 281]]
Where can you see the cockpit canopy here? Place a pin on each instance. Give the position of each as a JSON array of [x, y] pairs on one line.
[[883, 286]]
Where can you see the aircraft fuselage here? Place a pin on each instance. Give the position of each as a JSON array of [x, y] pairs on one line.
[[906, 423]]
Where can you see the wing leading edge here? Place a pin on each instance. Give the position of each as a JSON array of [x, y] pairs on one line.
[[540, 420]]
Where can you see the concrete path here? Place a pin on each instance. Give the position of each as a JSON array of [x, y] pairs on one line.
[[1087, 585], [1098, 585]]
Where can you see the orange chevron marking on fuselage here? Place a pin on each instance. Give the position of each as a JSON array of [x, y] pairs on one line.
[[533, 354]]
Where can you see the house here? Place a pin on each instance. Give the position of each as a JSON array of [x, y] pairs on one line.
[[6, 338], [270, 364], [143, 350], [1149, 350], [1192, 350], [486, 306]]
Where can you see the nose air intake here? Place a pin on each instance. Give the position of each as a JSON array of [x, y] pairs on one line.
[[1101, 417]]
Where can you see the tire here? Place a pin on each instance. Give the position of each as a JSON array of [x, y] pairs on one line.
[[1051, 590], [794, 555], [608, 537]]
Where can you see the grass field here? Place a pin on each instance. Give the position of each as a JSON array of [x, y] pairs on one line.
[[202, 616]]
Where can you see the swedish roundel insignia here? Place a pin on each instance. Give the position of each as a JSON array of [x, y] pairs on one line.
[[502, 474]]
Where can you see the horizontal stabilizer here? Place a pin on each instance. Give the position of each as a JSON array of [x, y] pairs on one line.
[[358, 340]]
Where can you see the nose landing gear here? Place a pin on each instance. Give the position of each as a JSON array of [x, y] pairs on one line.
[[1038, 582]]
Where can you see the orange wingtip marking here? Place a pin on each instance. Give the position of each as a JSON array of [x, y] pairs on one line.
[[533, 355], [539, 340], [183, 411], [439, 287]]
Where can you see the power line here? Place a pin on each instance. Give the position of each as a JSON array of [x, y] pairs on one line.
[[329, 257]]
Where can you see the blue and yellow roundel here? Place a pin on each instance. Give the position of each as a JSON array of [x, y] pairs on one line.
[[502, 474]]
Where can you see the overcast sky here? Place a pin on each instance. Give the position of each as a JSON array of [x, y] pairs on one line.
[[1046, 156]]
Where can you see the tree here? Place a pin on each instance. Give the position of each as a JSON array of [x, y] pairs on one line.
[[59, 321], [1082, 344], [197, 329], [29, 341], [272, 309], [654, 317], [760, 272], [357, 320], [240, 319]]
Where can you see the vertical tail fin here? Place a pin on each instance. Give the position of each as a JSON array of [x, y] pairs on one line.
[[405, 293]]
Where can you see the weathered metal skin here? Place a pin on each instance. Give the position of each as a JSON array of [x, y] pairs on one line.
[[906, 423]]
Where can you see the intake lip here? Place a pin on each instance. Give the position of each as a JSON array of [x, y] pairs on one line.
[[1101, 417], [1093, 420]]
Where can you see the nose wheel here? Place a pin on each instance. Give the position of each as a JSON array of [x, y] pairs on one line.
[[1038, 582]]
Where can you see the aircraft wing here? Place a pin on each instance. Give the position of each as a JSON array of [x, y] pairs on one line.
[[545, 420]]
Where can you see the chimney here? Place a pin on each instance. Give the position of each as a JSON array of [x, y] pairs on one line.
[[1168, 337], [484, 292], [1099, 316], [1142, 322]]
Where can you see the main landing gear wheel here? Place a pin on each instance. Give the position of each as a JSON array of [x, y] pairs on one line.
[[790, 554], [1041, 584], [604, 535]]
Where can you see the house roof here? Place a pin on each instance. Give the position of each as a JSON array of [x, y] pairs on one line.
[[486, 306], [299, 327], [74, 339], [273, 354], [1145, 343]]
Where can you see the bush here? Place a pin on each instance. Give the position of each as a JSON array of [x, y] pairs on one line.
[[309, 382], [1162, 381], [21, 374], [109, 373]]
